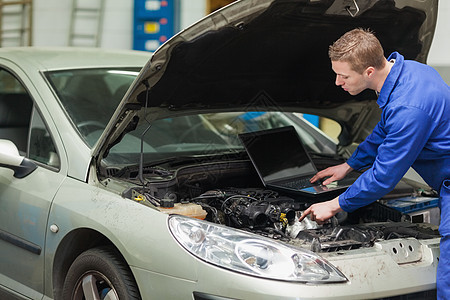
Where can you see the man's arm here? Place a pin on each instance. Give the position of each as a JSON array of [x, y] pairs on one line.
[[334, 173], [407, 132], [320, 212], [363, 157]]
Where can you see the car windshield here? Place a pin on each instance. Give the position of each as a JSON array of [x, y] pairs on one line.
[[208, 135], [90, 96]]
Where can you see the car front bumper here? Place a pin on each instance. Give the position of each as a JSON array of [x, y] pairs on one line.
[[372, 273]]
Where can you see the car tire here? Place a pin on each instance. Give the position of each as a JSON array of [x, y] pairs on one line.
[[100, 273]]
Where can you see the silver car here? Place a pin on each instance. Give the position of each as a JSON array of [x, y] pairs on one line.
[[122, 175]]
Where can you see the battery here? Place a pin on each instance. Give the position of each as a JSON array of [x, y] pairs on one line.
[[420, 209]]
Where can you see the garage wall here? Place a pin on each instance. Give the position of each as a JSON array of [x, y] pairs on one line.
[[191, 11], [52, 17], [52, 21], [439, 52]]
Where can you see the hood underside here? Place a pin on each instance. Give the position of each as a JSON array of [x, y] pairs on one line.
[[281, 55], [270, 55]]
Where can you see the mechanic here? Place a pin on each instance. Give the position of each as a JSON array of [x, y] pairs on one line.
[[414, 131]]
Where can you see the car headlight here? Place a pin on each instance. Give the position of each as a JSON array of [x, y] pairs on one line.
[[251, 254]]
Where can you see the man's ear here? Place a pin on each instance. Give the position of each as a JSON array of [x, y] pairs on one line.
[[369, 72]]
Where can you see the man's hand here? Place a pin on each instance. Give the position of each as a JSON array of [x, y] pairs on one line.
[[334, 173], [321, 212]]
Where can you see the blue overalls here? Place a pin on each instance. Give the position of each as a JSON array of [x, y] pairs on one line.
[[443, 273], [414, 130]]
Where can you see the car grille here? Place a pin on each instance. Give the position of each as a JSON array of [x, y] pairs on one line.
[[426, 295]]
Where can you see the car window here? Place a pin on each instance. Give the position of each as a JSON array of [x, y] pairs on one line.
[[207, 134], [90, 96], [21, 123], [15, 111], [42, 148]]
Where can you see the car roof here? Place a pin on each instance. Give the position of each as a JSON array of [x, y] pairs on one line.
[[57, 58]]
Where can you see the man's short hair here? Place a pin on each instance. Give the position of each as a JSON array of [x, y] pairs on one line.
[[360, 48]]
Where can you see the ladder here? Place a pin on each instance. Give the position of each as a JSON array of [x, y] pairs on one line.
[[16, 19], [86, 23]]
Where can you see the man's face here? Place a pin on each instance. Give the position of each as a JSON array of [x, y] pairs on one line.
[[350, 80]]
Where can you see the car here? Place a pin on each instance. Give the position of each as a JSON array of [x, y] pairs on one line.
[[122, 175]]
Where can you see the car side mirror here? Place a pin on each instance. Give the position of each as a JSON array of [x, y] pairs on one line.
[[11, 159]]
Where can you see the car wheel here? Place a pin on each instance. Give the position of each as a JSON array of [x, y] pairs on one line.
[[100, 273]]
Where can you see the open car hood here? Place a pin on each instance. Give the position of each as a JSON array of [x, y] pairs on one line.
[[271, 54]]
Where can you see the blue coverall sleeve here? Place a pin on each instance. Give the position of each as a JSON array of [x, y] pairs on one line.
[[407, 131], [365, 153]]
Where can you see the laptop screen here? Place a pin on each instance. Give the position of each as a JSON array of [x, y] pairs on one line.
[[278, 154]]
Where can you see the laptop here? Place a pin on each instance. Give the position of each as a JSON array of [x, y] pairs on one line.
[[282, 162]]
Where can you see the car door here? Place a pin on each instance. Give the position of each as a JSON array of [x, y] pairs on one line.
[[25, 202]]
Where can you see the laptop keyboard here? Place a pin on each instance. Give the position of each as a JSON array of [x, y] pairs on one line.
[[298, 183]]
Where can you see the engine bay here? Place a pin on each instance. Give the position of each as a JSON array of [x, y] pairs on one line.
[[231, 194]]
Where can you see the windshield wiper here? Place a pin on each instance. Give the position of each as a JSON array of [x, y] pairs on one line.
[[195, 158], [156, 169], [148, 171]]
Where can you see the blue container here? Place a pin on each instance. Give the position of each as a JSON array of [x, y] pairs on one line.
[[153, 28], [153, 23], [411, 204], [146, 44], [148, 9]]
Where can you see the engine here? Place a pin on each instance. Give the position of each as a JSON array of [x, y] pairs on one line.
[[253, 209], [267, 213]]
